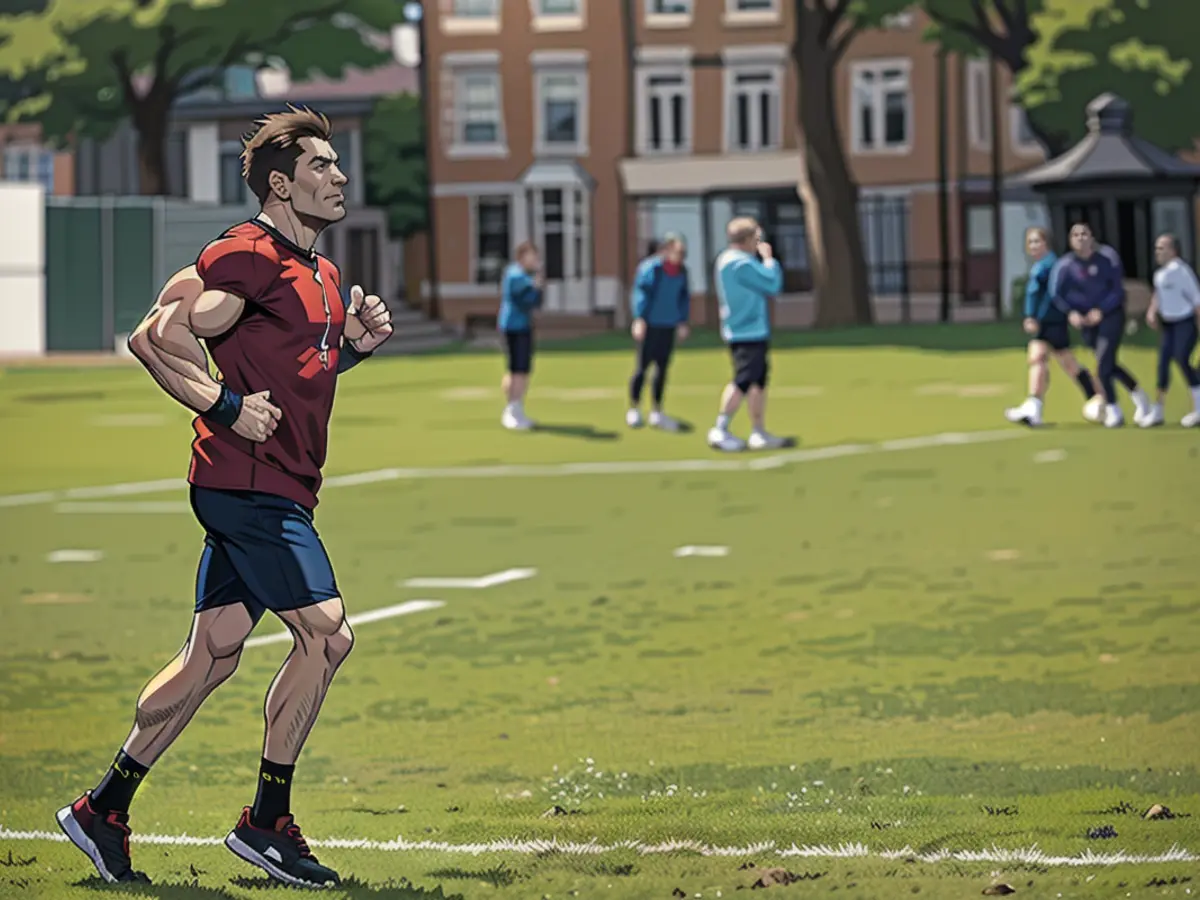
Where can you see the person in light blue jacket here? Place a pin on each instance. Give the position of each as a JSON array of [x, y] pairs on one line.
[[661, 304], [747, 275], [520, 295]]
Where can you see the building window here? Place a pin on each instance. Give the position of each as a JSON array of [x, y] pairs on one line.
[[751, 12], [979, 104], [1023, 138], [476, 9], [493, 235], [981, 231], [29, 162], [477, 109], [753, 109], [881, 110], [662, 8], [562, 108], [234, 191], [240, 83], [666, 125], [752, 6], [558, 7]]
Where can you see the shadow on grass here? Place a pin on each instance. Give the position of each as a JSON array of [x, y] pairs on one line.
[[167, 890], [584, 432], [497, 876]]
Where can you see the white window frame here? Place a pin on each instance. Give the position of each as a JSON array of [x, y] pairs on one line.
[[735, 15], [460, 148], [453, 22], [645, 93], [543, 20], [981, 229], [542, 147], [1018, 118], [656, 19], [732, 71], [979, 104], [474, 259], [877, 67], [38, 160]]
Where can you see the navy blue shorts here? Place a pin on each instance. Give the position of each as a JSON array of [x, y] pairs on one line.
[[520, 351], [1056, 334], [260, 550]]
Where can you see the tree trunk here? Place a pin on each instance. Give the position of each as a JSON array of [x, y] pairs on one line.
[[830, 196], [150, 122]]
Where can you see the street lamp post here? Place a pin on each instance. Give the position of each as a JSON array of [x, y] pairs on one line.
[[414, 17]]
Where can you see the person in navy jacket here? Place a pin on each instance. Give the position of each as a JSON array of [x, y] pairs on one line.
[[1087, 285], [662, 303]]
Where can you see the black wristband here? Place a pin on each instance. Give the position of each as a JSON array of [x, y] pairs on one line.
[[227, 408], [348, 358]]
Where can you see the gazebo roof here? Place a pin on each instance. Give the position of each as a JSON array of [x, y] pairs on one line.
[[1110, 152]]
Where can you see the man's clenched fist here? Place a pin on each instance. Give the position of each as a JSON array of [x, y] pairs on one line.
[[368, 321]]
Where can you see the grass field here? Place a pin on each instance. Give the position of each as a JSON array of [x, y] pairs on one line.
[[938, 655]]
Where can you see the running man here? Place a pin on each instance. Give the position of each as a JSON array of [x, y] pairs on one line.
[[269, 310], [1174, 309], [1050, 335], [520, 294], [747, 275], [662, 302], [1086, 285]]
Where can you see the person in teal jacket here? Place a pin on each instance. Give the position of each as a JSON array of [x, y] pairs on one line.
[[520, 294], [1049, 333], [747, 275]]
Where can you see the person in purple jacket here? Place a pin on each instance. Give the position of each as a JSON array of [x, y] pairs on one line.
[[1086, 284]]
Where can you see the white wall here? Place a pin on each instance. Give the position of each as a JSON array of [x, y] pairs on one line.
[[1015, 218], [22, 269], [204, 162]]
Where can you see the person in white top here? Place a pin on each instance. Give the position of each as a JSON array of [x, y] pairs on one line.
[[1174, 309]]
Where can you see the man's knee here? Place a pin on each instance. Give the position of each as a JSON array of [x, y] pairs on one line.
[[322, 629], [1039, 353]]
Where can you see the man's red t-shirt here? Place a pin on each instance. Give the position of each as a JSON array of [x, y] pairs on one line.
[[285, 342]]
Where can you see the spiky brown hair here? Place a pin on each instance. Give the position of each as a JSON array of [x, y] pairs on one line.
[[274, 145]]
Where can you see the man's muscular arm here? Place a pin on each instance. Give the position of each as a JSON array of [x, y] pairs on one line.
[[167, 342]]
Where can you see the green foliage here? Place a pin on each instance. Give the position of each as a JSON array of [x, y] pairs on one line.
[[96, 62], [959, 29], [1143, 50], [394, 157]]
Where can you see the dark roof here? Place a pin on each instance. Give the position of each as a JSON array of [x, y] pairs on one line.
[[1110, 152], [216, 111]]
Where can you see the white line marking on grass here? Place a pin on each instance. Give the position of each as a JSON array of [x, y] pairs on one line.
[[556, 470], [472, 584], [74, 556], [117, 508], [1050, 456], [700, 550], [374, 615], [1033, 856], [946, 389]]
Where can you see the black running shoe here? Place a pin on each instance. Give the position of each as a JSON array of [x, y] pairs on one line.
[[281, 852], [104, 837]]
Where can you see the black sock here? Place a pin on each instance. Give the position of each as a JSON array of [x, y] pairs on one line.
[[1086, 384], [115, 791], [274, 797]]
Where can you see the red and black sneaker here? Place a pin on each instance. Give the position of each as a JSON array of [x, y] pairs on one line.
[[104, 837], [281, 852]]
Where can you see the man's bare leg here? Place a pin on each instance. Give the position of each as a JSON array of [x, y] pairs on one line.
[[98, 822], [756, 402], [322, 641]]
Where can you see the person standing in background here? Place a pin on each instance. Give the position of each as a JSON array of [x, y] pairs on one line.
[[520, 294], [1174, 310], [662, 303], [1049, 335]]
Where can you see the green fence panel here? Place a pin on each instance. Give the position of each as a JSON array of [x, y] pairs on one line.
[[134, 289], [74, 274]]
